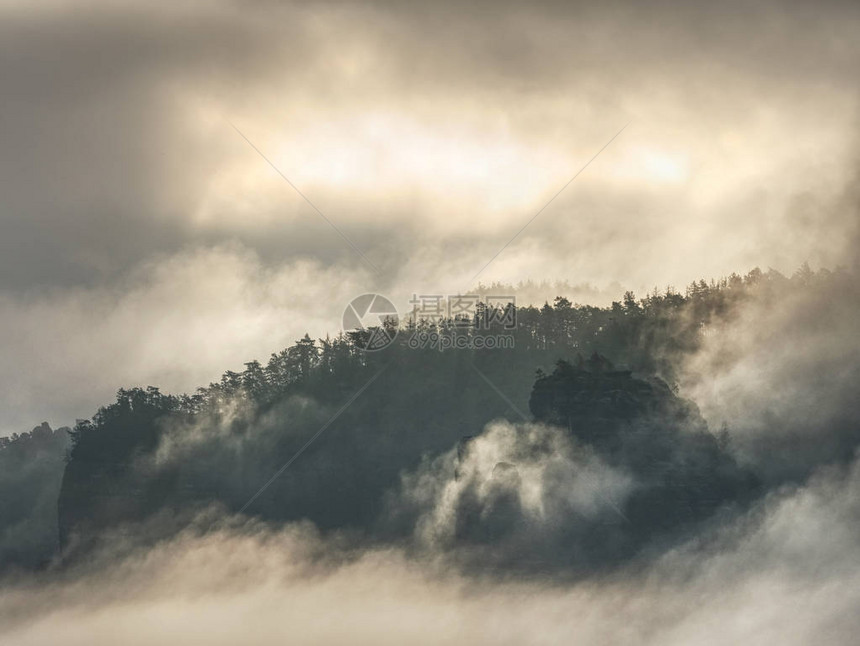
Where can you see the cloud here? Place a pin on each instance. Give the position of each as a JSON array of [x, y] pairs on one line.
[[144, 242], [785, 573], [514, 496], [177, 323], [415, 127], [428, 136], [780, 373]]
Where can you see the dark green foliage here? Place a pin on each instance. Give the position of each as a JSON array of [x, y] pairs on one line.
[[647, 336], [228, 439], [639, 425], [129, 425], [591, 394], [31, 468]]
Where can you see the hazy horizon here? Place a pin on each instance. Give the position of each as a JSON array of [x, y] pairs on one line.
[[135, 215], [190, 186]]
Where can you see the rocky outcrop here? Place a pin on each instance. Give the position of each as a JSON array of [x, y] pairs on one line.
[[640, 425]]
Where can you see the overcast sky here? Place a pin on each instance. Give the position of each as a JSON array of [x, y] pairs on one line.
[[144, 240]]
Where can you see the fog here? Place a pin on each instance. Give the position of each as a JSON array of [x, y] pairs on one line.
[[787, 572], [148, 237], [428, 137], [781, 376]]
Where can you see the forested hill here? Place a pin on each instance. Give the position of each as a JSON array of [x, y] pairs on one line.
[[31, 468], [385, 413]]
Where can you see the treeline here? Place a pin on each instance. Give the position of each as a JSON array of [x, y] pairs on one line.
[[226, 439], [648, 335]]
